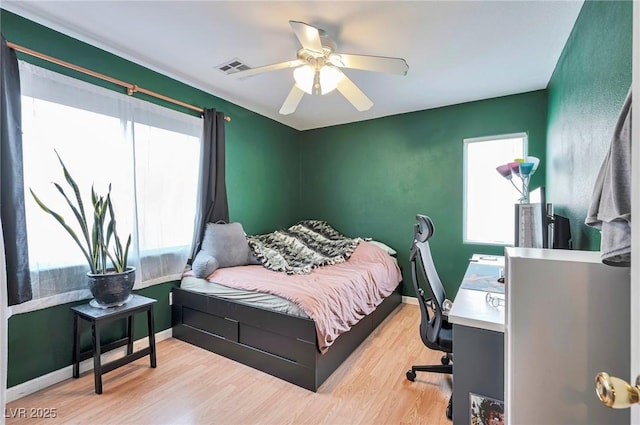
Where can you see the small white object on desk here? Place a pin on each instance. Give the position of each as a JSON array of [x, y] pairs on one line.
[[497, 260], [471, 308]]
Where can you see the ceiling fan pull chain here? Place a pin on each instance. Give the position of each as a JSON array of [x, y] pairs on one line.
[[316, 82]]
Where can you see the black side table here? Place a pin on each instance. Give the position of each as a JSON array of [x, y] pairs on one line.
[[100, 317]]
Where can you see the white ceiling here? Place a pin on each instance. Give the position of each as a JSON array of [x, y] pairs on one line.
[[457, 51]]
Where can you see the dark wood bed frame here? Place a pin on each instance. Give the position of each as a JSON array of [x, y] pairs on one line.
[[279, 344]]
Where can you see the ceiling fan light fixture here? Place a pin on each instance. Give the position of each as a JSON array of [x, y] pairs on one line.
[[305, 76], [318, 69], [322, 81], [329, 77]]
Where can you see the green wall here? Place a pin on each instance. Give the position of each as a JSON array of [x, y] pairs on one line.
[[371, 178], [586, 92], [261, 182]]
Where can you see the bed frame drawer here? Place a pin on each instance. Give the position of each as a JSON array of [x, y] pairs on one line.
[[220, 326], [295, 350]]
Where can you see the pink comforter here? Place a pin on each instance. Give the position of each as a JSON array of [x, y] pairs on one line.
[[336, 297]]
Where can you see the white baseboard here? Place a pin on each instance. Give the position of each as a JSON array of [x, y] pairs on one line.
[[44, 381], [409, 300]]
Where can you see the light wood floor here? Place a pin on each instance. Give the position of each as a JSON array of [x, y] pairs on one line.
[[194, 386]]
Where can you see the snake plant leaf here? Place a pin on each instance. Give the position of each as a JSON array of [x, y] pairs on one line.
[[117, 266], [102, 260], [95, 244], [80, 210], [80, 217], [110, 230], [120, 253], [94, 197], [74, 186], [99, 218], [125, 257], [69, 230], [97, 236], [111, 226]]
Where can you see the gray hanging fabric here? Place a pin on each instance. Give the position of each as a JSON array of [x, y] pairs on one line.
[[12, 206], [610, 209], [213, 204]]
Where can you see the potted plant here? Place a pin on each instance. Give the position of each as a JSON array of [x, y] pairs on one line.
[[110, 280]]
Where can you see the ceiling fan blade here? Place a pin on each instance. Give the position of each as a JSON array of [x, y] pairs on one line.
[[308, 36], [353, 94], [371, 63], [291, 102], [267, 68]]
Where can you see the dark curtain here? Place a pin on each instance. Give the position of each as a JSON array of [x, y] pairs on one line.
[[213, 187], [12, 187]]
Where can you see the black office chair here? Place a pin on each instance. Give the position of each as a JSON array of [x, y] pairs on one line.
[[435, 329]]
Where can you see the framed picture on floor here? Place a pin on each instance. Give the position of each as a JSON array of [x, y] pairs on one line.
[[485, 410]]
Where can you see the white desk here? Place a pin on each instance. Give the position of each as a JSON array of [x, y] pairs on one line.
[[470, 307], [478, 336]]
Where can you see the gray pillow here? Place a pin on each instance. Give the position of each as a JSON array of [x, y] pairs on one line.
[[204, 264], [227, 244]]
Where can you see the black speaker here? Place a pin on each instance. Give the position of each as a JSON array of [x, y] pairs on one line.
[[561, 232]]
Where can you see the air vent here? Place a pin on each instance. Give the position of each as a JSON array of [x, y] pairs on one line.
[[234, 65]]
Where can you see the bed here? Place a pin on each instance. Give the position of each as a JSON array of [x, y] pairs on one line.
[[274, 334]]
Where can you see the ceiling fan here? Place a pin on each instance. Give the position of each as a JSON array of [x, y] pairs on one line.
[[318, 69]]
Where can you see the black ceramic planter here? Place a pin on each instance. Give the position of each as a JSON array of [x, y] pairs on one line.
[[111, 289]]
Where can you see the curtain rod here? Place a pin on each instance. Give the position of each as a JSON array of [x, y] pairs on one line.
[[131, 88]]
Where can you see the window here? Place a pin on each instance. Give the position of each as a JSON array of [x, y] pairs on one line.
[[488, 198], [146, 152]]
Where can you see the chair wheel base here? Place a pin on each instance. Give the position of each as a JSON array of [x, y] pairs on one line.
[[445, 360], [411, 375]]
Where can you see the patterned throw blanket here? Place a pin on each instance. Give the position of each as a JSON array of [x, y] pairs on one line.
[[302, 247]]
